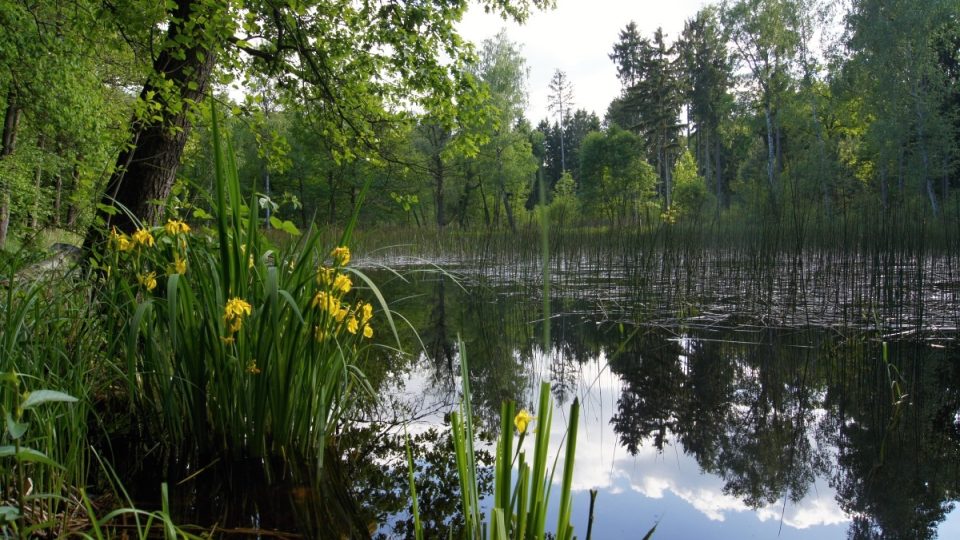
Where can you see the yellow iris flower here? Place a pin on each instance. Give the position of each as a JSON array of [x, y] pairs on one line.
[[179, 265], [522, 420], [342, 284], [326, 302], [175, 227], [341, 255], [120, 240], [143, 238], [234, 312], [148, 280], [324, 275], [367, 331]]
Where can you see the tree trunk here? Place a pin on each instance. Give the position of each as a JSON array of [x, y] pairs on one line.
[[884, 191], [332, 201], [483, 197], [146, 168], [718, 170], [11, 121], [438, 174], [770, 148], [8, 141], [505, 195], [72, 211], [37, 176], [303, 207], [57, 200]]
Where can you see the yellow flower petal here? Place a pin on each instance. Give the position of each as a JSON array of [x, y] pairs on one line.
[[522, 420], [341, 255]]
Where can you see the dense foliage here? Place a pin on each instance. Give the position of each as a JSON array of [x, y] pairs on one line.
[[788, 108]]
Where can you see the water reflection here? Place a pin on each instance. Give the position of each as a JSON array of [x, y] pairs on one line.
[[805, 430]]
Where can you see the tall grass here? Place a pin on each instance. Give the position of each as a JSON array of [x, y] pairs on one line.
[[50, 339], [235, 346], [521, 498]]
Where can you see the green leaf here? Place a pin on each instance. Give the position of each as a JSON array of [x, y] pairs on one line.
[[107, 209], [39, 397], [27, 454], [200, 213], [288, 227], [14, 428], [9, 513]]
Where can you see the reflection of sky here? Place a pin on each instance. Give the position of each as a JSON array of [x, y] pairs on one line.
[[668, 489], [635, 492]]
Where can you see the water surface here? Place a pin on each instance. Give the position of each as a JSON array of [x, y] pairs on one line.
[[712, 406]]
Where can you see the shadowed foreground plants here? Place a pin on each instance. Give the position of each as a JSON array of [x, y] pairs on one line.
[[231, 345], [520, 500]]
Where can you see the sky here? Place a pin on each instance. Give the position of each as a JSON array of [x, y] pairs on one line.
[[577, 37]]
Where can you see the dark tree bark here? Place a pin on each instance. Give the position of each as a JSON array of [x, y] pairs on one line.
[[57, 201], [147, 167], [438, 179], [8, 141], [72, 211]]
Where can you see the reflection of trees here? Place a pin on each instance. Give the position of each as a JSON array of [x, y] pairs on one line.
[[574, 338], [766, 452], [653, 382], [436, 336], [897, 459], [709, 384], [494, 333], [756, 408], [378, 475], [742, 411]]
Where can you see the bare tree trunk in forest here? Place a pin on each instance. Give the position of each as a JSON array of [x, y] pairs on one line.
[[483, 197], [303, 209], [468, 188], [945, 182], [668, 178], [58, 179], [146, 168], [925, 171], [770, 148], [884, 191], [332, 201], [505, 195], [718, 170], [72, 211], [900, 169], [37, 176], [11, 121], [438, 174], [703, 156]]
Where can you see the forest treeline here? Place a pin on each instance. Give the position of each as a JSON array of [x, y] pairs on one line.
[[758, 110]]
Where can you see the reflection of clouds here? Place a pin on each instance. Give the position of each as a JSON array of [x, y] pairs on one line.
[[604, 465]]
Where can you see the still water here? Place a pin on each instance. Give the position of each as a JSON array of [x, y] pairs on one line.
[[702, 415]]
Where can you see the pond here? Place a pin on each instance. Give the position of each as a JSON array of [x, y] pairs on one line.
[[818, 399], [724, 394]]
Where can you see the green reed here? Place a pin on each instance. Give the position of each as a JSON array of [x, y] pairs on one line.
[[50, 338], [520, 502]]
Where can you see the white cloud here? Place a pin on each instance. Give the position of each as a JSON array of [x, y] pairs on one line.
[[577, 37]]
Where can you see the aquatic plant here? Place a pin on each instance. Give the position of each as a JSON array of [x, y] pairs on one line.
[[231, 344], [520, 501]]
